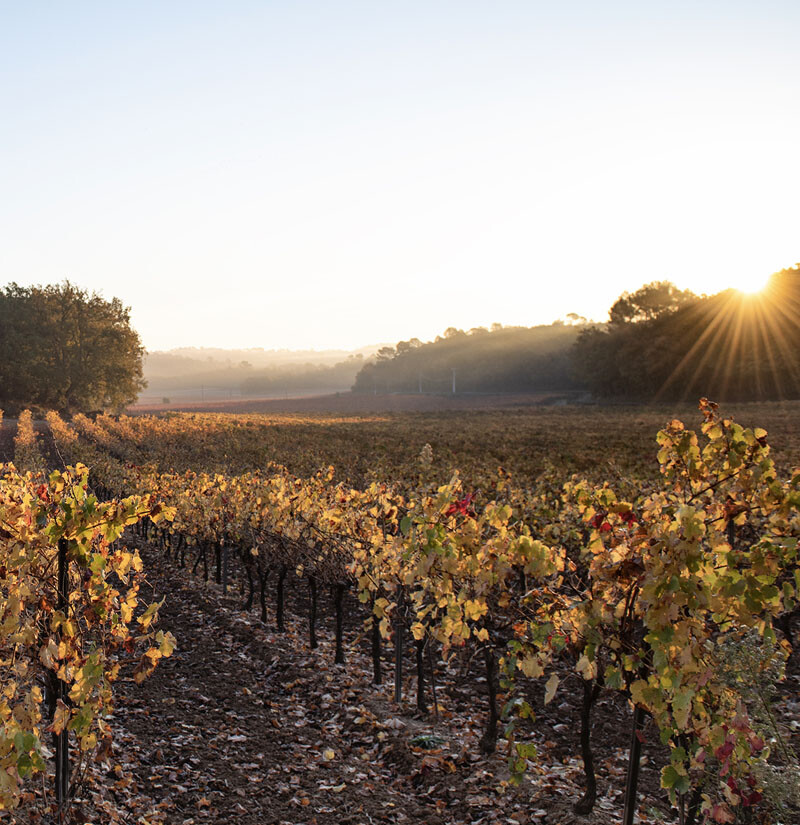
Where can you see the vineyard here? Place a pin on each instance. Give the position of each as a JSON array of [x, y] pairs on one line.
[[524, 616]]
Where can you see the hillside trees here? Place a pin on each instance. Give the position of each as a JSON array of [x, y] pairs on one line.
[[505, 359], [650, 301], [664, 343], [64, 348]]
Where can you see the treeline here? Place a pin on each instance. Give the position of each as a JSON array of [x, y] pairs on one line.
[[503, 359], [305, 377], [660, 343]]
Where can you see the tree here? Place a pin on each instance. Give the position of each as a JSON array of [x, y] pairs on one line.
[[385, 354], [66, 349], [649, 302], [663, 343]]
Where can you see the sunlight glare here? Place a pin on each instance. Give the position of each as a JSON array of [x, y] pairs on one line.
[[752, 284]]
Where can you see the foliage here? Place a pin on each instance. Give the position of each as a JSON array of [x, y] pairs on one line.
[[731, 345], [505, 359], [64, 348], [78, 643], [26, 453], [639, 584], [650, 301]]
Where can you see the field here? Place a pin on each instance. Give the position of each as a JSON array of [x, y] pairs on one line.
[[306, 611]]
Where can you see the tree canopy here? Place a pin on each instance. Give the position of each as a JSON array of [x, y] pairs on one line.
[[649, 302], [505, 359], [66, 349], [660, 343], [729, 346]]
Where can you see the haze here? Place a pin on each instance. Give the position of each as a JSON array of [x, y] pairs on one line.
[[330, 175]]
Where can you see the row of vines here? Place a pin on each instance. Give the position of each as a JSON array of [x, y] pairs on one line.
[[668, 591], [70, 621]]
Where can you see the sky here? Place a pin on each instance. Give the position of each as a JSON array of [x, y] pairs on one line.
[[337, 174]]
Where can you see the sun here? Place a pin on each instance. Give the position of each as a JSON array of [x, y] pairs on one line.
[[751, 284], [743, 277], [753, 288]]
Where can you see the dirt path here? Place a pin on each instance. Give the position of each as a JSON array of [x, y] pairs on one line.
[[246, 725], [221, 732]]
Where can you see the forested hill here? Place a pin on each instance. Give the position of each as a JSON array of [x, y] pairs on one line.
[[660, 343], [730, 346], [505, 359]]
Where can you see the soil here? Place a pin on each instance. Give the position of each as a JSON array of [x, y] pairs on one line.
[[247, 725]]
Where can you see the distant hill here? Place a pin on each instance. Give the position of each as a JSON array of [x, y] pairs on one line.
[[500, 360], [191, 373], [184, 361]]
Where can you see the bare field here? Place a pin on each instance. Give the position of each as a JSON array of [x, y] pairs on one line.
[[355, 403]]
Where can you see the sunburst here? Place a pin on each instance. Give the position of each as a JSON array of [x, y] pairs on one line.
[[746, 343]]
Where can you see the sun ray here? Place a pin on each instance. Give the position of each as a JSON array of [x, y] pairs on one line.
[[730, 354], [715, 328]]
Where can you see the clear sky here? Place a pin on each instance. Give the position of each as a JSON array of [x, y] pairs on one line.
[[335, 174]]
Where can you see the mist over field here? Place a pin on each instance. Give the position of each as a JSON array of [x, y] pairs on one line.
[[659, 342]]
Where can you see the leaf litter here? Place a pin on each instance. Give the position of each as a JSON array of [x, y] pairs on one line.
[[246, 725]]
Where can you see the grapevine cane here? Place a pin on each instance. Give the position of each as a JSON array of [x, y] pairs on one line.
[[488, 741], [339, 602], [591, 690], [398, 648], [377, 677], [279, 620], [61, 740], [312, 613], [422, 705], [633, 766]]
